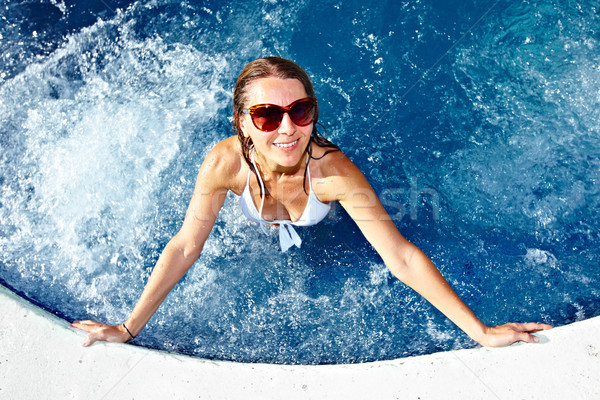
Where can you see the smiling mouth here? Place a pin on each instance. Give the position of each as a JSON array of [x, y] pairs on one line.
[[284, 145]]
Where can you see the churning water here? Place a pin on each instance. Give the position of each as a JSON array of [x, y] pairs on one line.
[[476, 121]]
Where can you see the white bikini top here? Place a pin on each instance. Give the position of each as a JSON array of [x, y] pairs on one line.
[[314, 212]]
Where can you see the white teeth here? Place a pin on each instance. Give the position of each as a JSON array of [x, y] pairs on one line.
[[286, 144]]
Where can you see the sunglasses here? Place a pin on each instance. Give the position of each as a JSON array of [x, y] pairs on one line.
[[267, 117]]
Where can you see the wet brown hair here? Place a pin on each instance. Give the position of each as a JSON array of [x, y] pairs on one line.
[[279, 68]]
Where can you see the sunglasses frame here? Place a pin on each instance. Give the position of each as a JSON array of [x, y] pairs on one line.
[[284, 109]]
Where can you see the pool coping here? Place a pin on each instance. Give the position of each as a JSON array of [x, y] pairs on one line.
[[42, 357]]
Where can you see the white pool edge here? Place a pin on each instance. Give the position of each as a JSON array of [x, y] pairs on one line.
[[42, 357]]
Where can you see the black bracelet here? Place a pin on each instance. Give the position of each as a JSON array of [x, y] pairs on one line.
[[124, 326]]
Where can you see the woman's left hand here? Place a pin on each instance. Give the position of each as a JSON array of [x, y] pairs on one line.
[[507, 334]]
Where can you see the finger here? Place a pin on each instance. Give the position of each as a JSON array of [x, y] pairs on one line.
[[533, 327], [86, 322], [90, 339], [541, 327], [528, 338], [84, 326], [79, 324]]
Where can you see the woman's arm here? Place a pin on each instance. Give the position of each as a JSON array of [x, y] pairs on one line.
[[180, 253], [409, 264]]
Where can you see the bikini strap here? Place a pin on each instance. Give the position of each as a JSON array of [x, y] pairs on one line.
[[260, 182], [308, 172]]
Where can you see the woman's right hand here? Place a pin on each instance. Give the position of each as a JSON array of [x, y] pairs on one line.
[[102, 332]]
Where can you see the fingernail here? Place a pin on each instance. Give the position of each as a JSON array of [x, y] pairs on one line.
[[536, 339]]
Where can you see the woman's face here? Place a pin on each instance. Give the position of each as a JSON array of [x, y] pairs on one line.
[[283, 147]]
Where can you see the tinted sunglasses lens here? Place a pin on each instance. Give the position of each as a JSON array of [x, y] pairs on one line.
[[267, 118], [303, 113]]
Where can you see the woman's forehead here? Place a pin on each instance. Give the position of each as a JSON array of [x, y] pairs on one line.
[[274, 90]]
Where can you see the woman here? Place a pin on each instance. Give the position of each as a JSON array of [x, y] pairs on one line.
[[286, 175]]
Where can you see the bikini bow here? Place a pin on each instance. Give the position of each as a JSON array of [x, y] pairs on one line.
[[288, 236]]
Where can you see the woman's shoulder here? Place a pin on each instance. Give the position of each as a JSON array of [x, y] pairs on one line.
[[331, 161], [335, 174], [225, 154], [224, 164]]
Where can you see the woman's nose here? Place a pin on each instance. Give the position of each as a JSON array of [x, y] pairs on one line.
[[287, 126]]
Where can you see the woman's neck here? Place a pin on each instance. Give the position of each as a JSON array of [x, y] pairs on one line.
[[273, 171]]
